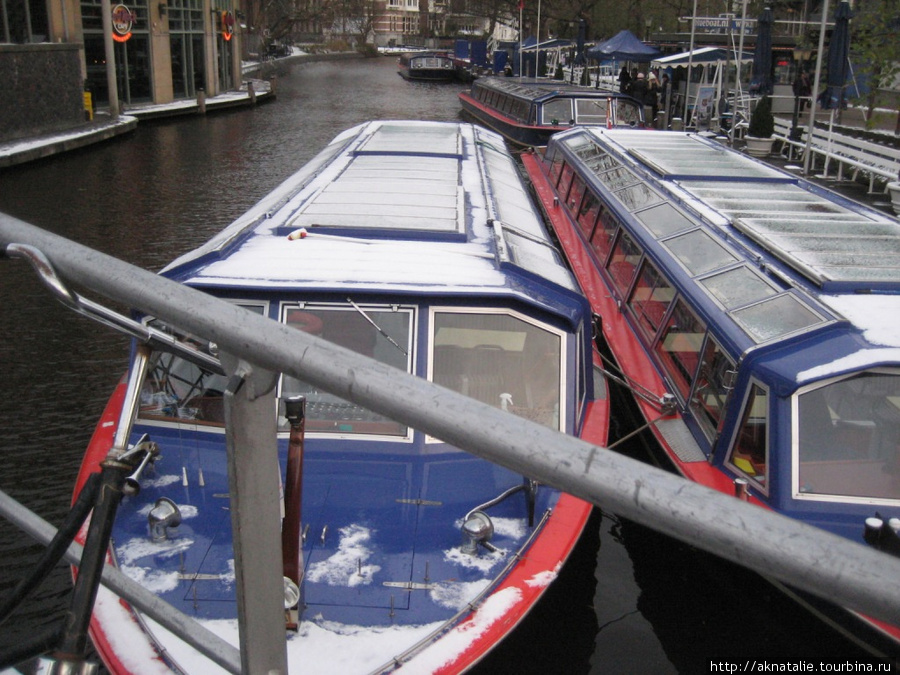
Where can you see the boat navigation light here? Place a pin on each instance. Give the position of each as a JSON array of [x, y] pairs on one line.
[[478, 529], [162, 516], [291, 593], [741, 489]]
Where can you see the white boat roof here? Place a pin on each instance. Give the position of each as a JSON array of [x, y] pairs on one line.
[[387, 205]]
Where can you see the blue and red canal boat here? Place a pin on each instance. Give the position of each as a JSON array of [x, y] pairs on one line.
[[754, 315], [417, 245]]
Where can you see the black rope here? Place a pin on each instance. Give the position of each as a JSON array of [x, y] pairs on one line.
[[55, 549]]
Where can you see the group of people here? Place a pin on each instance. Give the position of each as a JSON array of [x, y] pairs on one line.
[[645, 88]]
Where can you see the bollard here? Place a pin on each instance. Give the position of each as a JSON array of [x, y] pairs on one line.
[[251, 91], [201, 101], [677, 124]]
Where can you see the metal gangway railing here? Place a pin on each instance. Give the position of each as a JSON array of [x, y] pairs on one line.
[[808, 559]]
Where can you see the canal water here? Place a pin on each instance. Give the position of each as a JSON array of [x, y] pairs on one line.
[[630, 599]]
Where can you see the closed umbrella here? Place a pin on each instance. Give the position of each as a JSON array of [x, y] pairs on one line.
[[761, 81], [838, 57]]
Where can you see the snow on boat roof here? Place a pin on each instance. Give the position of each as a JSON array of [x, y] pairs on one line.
[[829, 241], [390, 204]]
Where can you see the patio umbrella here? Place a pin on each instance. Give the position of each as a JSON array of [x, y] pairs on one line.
[[761, 81], [838, 56], [579, 43]]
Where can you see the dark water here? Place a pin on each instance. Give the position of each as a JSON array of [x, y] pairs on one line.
[[630, 599]]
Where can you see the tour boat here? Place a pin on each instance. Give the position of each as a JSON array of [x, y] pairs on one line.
[[427, 66], [754, 315], [415, 244], [526, 112]]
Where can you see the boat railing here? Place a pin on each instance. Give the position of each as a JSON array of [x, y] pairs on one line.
[[252, 348]]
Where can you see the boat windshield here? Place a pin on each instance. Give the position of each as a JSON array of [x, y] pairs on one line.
[[500, 359], [848, 435], [382, 333]]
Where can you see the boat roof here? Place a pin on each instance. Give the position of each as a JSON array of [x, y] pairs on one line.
[[780, 255], [390, 206], [540, 90]]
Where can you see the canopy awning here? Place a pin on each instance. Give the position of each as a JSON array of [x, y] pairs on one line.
[[701, 55]]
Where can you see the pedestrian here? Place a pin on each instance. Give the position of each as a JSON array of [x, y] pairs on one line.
[[802, 89], [639, 87], [651, 97], [624, 80]]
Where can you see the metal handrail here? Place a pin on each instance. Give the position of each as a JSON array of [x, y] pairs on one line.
[[808, 559]]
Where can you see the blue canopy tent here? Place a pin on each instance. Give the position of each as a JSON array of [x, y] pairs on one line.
[[623, 46]]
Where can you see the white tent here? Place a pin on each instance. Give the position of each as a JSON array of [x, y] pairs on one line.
[[707, 94]]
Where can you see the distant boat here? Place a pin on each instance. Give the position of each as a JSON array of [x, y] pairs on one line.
[[526, 112], [416, 244], [753, 315], [427, 66]]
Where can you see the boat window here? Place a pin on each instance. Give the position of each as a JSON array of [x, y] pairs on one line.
[[750, 453], [776, 317], [651, 298], [177, 390], [679, 346], [503, 360], [590, 110], [587, 215], [617, 178], [601, 241], [601, 162], [848, 437], [699, 252], [575, 194], [565, 179], [623, 262], [382, 333], [664, 219], [557, 111], [638, 196], [714, 381], [739, 286], [556, 163], [628, 113]]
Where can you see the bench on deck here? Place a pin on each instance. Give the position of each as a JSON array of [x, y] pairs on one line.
[[856, 154]]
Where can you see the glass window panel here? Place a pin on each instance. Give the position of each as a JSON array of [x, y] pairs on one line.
[[601, 241], [651, 298], [750, 454], [501, 360], [699, 252], [775, 317], [347, 327], [637, 197], [575, 194], [664, 219], [601, 162], [737, 287], [557, 111], [623, 262], [679, 347], [590, 111], [711, 390], [849, 437], [587, 214], [627, 113], [617, 178]]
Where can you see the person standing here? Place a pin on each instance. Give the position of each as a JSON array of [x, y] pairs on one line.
[[624, 80], [639, 87], [651, 98]]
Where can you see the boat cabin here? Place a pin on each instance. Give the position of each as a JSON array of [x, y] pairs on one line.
[[528, 111]]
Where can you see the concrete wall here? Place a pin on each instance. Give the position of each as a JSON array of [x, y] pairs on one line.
[[42, 89]]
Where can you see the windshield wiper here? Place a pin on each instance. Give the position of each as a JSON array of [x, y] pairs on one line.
[[377, 327]]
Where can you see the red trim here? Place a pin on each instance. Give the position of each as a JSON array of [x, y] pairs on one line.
[[493, 112]]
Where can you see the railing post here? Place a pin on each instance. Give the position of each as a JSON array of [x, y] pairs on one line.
[[253, 478]]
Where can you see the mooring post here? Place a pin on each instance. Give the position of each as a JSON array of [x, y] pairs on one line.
[[253, 478]]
